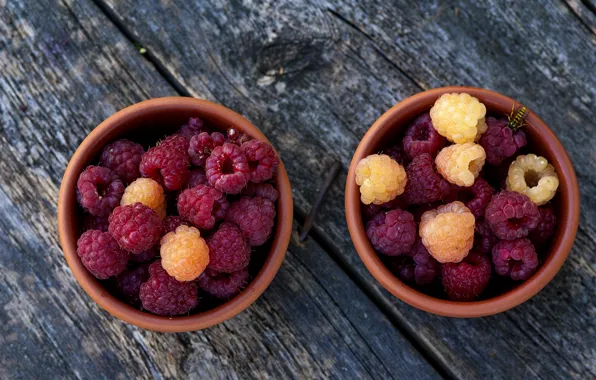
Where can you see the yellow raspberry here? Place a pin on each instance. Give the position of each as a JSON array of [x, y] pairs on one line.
[[381, 179], [184, 253], [460, 164], [147, 192], [459, 117], [533, 176], [448, 232]]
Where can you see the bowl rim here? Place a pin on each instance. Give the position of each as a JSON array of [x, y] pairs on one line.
[[123, 311], [490, 306]]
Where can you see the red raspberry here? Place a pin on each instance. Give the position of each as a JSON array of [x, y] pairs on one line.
[[202, 145], [227, 168], [224, 285], [392, 233], [197, 177], [515, 258], [193, 127], [236, 137], [263, 190], [100, 254], [397, 153], [128, 283], [403, 267], [426, 267], [499, 141], [229, 250], [170, 223], [262, 160], [144, 256], [511, 215], [255, 217], [92, 222], [135, 227], [424, 184], [164, 295], [202, 205], [422, 137], [464, 281], [370, 211], [123, 158], [168, 162], [545, 228], [484, 238], [479, 195], [99, 190]]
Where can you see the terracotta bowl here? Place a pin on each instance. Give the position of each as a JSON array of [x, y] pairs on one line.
[[147, 122], [541, 141]]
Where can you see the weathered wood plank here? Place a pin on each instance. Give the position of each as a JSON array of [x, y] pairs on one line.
[[315, 75], [63, 69]]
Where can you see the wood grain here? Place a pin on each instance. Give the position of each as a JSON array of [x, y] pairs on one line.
[[63, 69], [315, 75]]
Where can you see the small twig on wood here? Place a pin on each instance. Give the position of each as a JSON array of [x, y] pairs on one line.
[[308, 222]]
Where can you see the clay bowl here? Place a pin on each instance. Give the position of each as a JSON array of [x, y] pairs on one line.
[[147, 122], [541, 141]]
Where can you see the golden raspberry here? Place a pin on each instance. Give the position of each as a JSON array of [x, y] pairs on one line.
[[460, 164], [533, 176], [148, 192], [448, 232], [184, 253], [381, 179], [459, 117]]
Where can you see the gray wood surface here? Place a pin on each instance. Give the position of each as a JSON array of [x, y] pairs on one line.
[[314, 76], [57, 81]]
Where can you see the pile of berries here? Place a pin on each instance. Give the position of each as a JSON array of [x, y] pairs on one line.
[[440, 215], [176, 225]]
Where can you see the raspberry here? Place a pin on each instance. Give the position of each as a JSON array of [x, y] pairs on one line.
[[128, 283], [545, 228], [168, 162], [515, 258], [224, 285], [424, 184], [511, 215], [500, 142], [392, 233], [255, 217], [426, 267], [184, 253], [99, 190], [202, 145], [202, 205], [135, 227], [193, 127], [380, 178], [147, 192], [465, 281], [403, 267], [227, 168], [448, 232], [123, 158], [533, 176], [262, 160], [197, 177], [421, 137], [164, 295], [144, 256], [92, 222], [459, 117], [100, 254], [460, 164], [485, 239], [229, 250], [397, 153], [482, 193], [236, 137], [170, 223], [263, 190]]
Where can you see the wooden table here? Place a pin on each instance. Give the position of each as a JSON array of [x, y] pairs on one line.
[[313, 75]]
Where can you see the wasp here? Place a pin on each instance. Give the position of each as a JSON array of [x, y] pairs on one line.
[[517, 117]]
